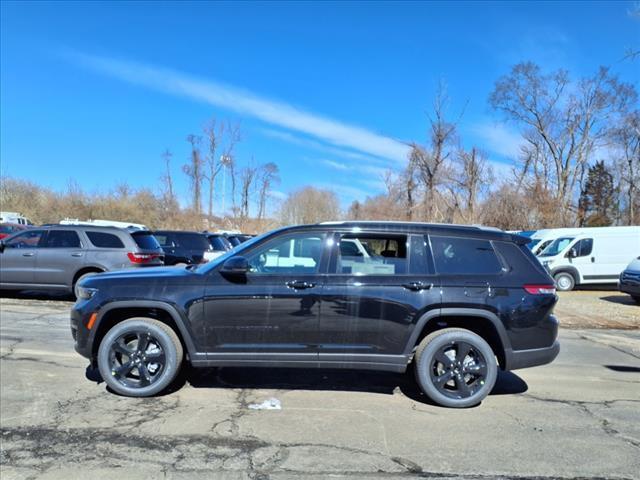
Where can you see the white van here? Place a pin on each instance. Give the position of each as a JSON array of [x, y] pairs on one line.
[[543, 238], [596, 255], [14, 217]]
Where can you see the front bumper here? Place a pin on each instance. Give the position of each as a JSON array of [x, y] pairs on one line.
[[79, 331], [629, 287]]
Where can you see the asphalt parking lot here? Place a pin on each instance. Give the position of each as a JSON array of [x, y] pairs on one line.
[[578, 417]]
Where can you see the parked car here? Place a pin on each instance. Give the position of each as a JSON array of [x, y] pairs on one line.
[[7, 229], [104, 223], [219, 243], [185, 248], [457, 302], [14, 217], [597, 256], [630, 280], [58, 257]]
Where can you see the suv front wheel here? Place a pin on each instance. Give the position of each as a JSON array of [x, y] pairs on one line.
[[140, 357], [455, 367]]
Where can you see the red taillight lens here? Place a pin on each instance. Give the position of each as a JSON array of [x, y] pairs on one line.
[[142, 257], [540, 289]]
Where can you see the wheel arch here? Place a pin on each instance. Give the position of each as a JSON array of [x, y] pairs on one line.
[[116, 312], [86, 269], [482, 322]]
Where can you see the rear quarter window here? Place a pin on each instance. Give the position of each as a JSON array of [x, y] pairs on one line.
[[465, 256], [192, 241], [104, 240], [146, 241]]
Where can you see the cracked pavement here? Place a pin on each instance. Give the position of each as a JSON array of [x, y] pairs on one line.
[[576, 418]]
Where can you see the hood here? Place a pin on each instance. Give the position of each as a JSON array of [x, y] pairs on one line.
[[141, 273], [634, 266]]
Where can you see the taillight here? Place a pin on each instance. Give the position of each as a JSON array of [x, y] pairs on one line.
[[540, 289], [142, 257]]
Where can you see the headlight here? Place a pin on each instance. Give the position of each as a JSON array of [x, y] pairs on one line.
[[85, 293]]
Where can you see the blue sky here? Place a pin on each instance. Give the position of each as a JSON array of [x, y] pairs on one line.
[[95, 92]]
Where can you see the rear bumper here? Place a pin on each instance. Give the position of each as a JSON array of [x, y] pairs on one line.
[[516, 359]]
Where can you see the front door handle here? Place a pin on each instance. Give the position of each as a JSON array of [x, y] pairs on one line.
[[28, 254], [76, 254], [299, 285], [593, 259], [417, 286]]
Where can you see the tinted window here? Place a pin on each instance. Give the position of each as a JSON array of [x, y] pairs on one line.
[[146, 240], [8, 228], [419, 262], [584, 247], [62, 239], [372, 255], [220, 243], [165, 241], [28, 239], [192, 241], [292, 254], [104, 240], [456, 255]]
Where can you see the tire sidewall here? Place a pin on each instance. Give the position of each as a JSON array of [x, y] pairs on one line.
[[171, 366], [572, 282], [423, 364]]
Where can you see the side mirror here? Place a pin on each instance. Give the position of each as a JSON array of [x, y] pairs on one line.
[[235, 267], [573, 253]]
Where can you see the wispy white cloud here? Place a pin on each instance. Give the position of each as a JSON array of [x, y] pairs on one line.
[[243, 102], [498, 138], [335, 165]]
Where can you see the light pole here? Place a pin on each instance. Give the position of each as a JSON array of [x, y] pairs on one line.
[[224, 159]]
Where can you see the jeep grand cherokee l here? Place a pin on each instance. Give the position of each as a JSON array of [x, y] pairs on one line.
[[458, 302]]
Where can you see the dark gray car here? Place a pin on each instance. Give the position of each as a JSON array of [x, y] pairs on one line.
[[56, 257]]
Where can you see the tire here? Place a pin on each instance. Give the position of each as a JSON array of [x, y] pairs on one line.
[[636, 298], [564, 281], [437, 358], [120, 359], [79, 279]]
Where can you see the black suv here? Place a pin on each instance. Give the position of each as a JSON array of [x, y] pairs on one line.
[[184, 248], [459, 302]]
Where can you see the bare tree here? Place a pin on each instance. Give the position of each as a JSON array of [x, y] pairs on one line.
[[563, 123], [221, 138], [268, 175], [310, 205], [194, 170], [167, 179], [625, 139], [247, 179], [469, 181]]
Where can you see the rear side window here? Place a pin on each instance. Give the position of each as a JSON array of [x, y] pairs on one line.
[[104, 240], [62, 239], [146, 240], [370, 254], [456, 255]]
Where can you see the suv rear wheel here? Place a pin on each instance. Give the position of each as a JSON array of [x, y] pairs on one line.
[[140, 357], [455, 367]]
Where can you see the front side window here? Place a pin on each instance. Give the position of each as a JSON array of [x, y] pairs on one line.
[[456, 255], [62, 239], [583, 247], [557, 246], [164, 240], [370, 254], [292, 254], [28, 239]]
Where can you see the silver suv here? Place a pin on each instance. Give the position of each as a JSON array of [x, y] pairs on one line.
[[57, 257]]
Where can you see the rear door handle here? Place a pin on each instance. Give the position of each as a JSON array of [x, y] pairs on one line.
[[76, 254], [28, 254], [417, 286], [298, 285]]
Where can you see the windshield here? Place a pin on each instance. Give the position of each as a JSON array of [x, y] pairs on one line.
[[557, 246]]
